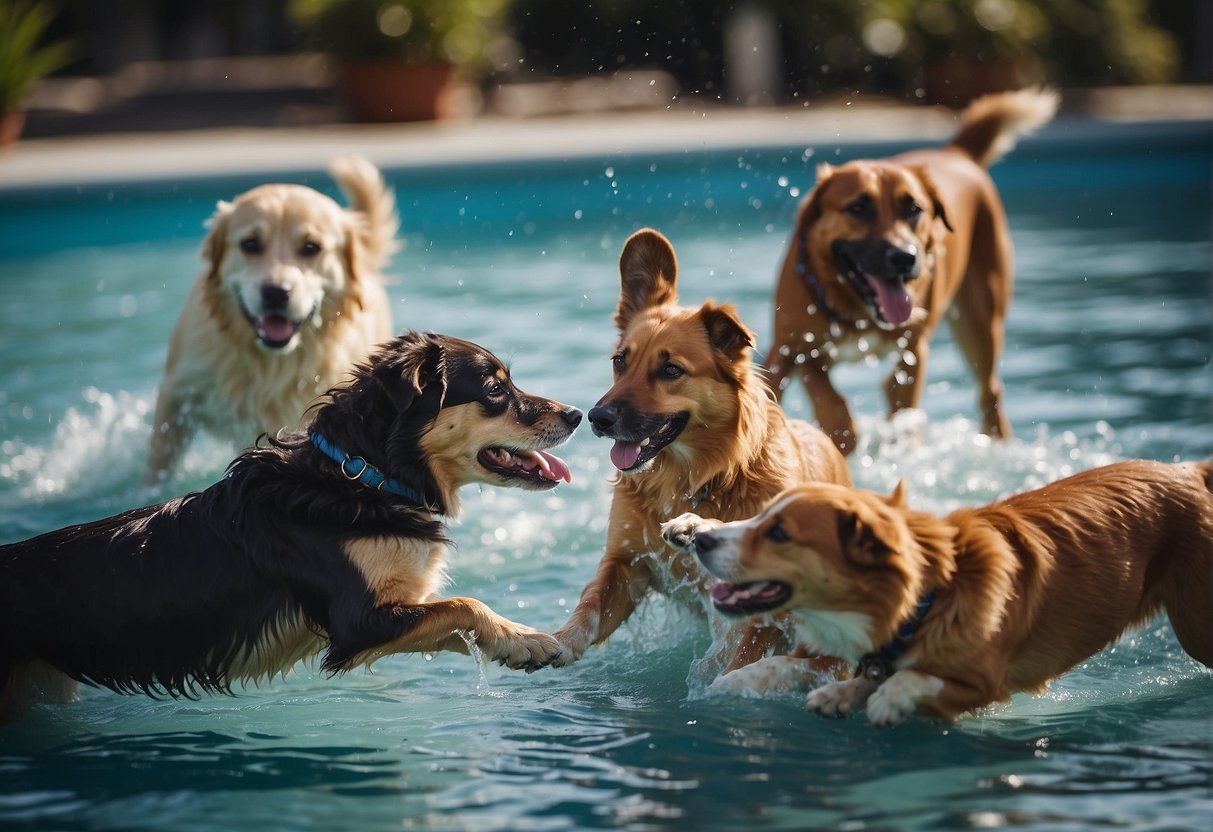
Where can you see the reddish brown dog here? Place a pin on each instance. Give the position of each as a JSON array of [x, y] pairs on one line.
[[693, 426], [947, 615], [882, 248]]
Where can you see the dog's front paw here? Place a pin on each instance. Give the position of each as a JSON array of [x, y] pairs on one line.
[[680, 531], [522, 648], [900, 696], [840, 699], [574, 641]]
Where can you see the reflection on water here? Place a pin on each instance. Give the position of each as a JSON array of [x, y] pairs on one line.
[[1108, 348]]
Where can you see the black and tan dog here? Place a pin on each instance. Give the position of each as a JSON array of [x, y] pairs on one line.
[[944, 615], [329, 540], [693, 425], [883, 248]]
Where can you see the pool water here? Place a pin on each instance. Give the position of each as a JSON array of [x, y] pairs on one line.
[[1108, 350]]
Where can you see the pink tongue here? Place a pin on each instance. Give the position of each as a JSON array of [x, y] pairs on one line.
[[720, 591], [625, 454], [553, 467], [275, 328], [892, 299]]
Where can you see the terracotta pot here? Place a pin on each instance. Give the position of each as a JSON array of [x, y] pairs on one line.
[[11, 125], [395, 91]]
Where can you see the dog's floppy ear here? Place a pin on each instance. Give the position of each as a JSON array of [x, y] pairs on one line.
[[648, 274], [215, 244], [810, 208], [928, 184], [726, 332], [861, 538], [407, 368]]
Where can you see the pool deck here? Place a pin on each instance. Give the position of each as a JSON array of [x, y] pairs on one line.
[[90, 159]]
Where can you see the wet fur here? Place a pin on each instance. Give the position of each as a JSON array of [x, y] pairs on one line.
[[1024, 589], [736, 451], [964, 263], [284, 557], [218, 375]]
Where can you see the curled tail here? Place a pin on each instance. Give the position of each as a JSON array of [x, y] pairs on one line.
[[990, 126], [370, 198]]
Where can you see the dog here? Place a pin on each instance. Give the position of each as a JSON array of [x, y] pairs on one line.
[[946, 615], [327, 540], [694, 427], [289, 301], [885, 249]]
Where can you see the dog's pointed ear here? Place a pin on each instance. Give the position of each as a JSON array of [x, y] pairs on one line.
[[810, 206], [937, 207], [215, 243], [648, 275], [407, 367], [898, 498], [861, 539], [726, 332]]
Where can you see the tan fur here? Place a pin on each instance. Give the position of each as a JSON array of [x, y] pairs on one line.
[[964, 252], [736, 451], [1024, 589], [218, 375]]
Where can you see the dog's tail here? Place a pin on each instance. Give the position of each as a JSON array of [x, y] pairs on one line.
[[370, 197], [990, 126]]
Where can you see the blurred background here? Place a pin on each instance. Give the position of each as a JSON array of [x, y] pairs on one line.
[[128, 65]]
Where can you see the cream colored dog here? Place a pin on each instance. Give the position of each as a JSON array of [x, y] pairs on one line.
[[290, 299]]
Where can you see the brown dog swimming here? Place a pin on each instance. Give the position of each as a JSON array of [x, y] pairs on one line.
[[883, 248], [945, 615], [693, 426], [327, 541]]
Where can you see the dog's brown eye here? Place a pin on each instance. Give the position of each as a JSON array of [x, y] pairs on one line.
[[671, 370], [251, 245], [913, 210], [309, 248], [619, 363], [778, 534], [862, 208], [495, 390]]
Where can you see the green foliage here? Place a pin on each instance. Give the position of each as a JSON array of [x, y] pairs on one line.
[[24, 60], [461, 32]]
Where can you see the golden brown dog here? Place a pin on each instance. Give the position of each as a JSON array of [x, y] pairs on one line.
[[289, 301], [694, 426], [331, 540], [882, 248], [945, 615]]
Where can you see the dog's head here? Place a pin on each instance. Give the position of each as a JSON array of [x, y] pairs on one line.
[[870, 229], [677, 370], [286, 260], [842, 559], [436, 412]]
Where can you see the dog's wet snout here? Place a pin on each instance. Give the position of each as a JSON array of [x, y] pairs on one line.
[[571, 417], [603, 418], [901, 261], [274, 296]]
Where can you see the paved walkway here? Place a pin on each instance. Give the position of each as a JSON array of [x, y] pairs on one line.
[[119, 157]]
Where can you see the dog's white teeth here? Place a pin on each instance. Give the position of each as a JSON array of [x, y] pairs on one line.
[[645, 443]]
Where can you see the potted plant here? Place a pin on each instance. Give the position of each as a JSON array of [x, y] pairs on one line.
[[402, 60], [24, 60]]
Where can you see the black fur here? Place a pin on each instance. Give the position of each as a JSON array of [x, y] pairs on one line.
[[163, 599]]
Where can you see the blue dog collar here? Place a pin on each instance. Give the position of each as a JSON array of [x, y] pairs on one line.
[[878, 665], [357, 469]]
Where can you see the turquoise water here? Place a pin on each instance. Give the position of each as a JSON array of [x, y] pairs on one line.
[[1108, 357]]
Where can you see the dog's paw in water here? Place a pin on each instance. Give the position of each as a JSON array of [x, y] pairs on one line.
[[840, 699], [680, 532], [521, 648]]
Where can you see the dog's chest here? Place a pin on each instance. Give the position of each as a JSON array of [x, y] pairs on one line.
[[399, 570], [850, 344]]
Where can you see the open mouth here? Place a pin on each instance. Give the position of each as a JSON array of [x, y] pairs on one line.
[[887, 297], [631, 456], [750, 598], [534, 469], [274, 331]]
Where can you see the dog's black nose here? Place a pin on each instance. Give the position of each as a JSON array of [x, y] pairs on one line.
[[274, 296], [571, 416], [704, 542], [901, 260], [603, 417]]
